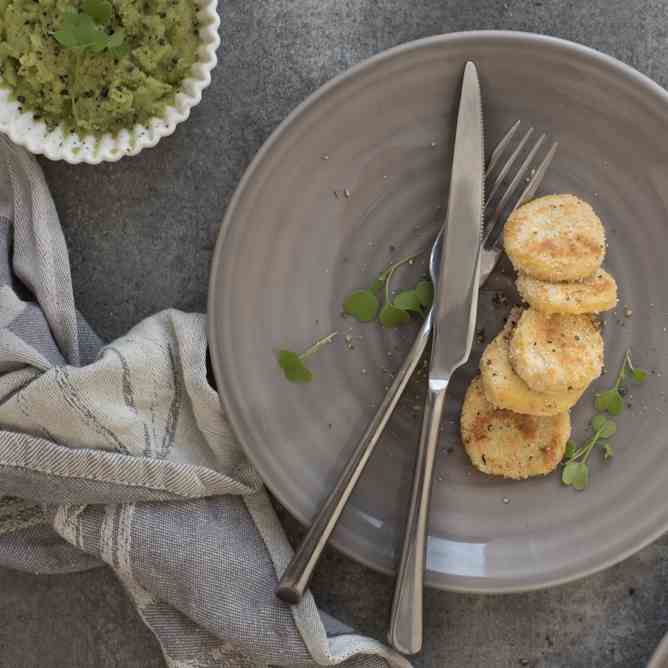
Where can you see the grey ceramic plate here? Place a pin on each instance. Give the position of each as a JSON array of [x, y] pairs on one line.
[[291, 248]]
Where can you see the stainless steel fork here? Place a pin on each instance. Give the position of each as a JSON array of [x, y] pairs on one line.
[[499, 178]]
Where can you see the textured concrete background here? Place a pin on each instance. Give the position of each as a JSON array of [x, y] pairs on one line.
[[141, 234]]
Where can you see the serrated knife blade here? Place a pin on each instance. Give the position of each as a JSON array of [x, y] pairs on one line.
[[456, 293]]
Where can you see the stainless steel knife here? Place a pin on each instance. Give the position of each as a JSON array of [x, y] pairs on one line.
[[454, 317]]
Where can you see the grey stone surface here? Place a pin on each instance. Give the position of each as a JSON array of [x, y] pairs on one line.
[[71, 620], [141, 234]]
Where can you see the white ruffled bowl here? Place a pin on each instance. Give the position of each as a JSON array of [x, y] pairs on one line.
[[57, 144]]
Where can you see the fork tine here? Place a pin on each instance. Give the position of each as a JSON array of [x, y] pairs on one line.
[[494, 226], [503, 172], [537, 177], [497, 152], [501, 146]]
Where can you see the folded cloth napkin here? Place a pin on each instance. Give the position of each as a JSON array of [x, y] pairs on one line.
[[121, 454]]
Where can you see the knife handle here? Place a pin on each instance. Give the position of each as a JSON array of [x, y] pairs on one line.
[[296, 577], [405, 633]]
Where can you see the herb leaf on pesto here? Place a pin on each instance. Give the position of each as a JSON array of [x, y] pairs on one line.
[[97, 66], [82, 30], [100, 11]]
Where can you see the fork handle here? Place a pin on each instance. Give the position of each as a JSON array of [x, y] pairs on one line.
[[405, 633], [296, 577]]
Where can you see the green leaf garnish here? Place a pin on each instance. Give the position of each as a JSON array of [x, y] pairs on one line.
[[378, 284], [116, 39], [598, 421], [408, 301], [615, 404], [608, 429], [391, 316], [639, 375], [85, 30], [99, 10], [68, 36], [293, 367], [362, 305], [610, 401], [568, 473], [580, 476], [575, 474], [79, 31], [603, 427], [576, 470], [425, 293], [601, 401], [120, 51]]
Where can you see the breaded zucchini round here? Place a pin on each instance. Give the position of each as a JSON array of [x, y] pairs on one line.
[[552, 352], [555, 238], [505, 389], [594, 294], [500, 442]]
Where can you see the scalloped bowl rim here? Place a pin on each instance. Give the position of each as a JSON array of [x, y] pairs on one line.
[[23, 130]]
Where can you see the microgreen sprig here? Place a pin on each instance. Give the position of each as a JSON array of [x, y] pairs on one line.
[[292, 364], [576, 470], [612, 401], [391, 315], [418, 300], [364, 305]]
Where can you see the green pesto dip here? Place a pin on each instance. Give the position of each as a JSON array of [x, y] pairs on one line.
[[97, 92]]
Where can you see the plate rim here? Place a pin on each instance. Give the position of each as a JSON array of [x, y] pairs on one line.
[[659, 658], [528, 38]]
